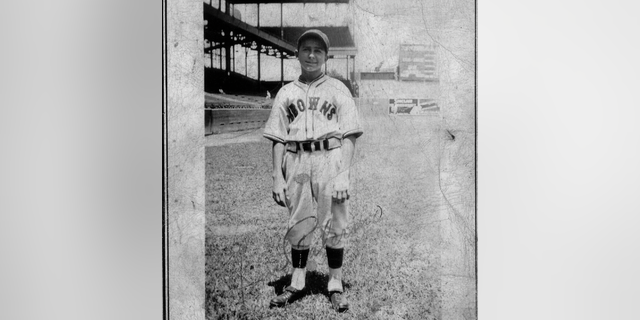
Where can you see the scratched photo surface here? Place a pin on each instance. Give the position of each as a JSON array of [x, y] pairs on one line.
[[411, 251]]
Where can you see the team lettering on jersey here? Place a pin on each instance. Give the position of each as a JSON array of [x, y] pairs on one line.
[[294, 109]]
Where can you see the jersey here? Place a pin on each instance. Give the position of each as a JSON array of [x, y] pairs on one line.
[[313, 111]]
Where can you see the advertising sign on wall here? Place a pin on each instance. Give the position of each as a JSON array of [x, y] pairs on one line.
[[413, 106]]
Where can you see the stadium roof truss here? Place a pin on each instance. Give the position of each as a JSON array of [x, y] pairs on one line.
[[223, 30]]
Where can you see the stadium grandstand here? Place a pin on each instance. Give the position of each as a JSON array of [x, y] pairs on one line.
[[238, 96]]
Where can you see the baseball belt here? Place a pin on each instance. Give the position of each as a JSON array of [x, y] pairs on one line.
[[310, 146]]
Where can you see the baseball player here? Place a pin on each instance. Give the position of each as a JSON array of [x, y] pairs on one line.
[[313, 125]]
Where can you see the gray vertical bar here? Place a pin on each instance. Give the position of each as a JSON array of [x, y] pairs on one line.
[[227, 51], [281, 23], [347, 67], [281, 55]]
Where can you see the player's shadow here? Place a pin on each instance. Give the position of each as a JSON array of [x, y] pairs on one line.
[[315, 283]]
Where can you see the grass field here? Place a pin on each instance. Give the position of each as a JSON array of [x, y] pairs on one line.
[[393, 263]]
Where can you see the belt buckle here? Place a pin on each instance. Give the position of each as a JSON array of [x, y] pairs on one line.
[[292, 147]]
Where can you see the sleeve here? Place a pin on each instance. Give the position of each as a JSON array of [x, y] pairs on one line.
[[348, 115], [277, 124]]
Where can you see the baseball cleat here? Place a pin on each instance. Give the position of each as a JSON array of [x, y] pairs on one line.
[[289, 295], [339, 301]]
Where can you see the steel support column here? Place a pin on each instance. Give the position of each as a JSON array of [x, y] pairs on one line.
[[347, 68]]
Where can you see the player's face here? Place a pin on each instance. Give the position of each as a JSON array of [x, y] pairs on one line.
[[311, 55]]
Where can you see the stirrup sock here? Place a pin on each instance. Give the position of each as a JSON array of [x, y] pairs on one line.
[[299, 258], [334, 257]]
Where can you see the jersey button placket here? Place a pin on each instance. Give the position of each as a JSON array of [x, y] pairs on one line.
[[306, 115], [313, 113]]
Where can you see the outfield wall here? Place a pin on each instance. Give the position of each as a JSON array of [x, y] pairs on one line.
[[231, 120], [373, 101]]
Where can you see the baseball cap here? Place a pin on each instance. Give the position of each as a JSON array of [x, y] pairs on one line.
[[316, 34]]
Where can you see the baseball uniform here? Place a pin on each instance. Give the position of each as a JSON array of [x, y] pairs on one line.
[[311, 119]]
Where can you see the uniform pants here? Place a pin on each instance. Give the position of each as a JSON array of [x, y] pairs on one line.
[[309, 177]]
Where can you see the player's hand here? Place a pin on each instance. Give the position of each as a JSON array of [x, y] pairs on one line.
[[279, 191], [341, 187]]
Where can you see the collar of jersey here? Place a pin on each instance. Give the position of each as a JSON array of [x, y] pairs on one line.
[[321, 76]]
